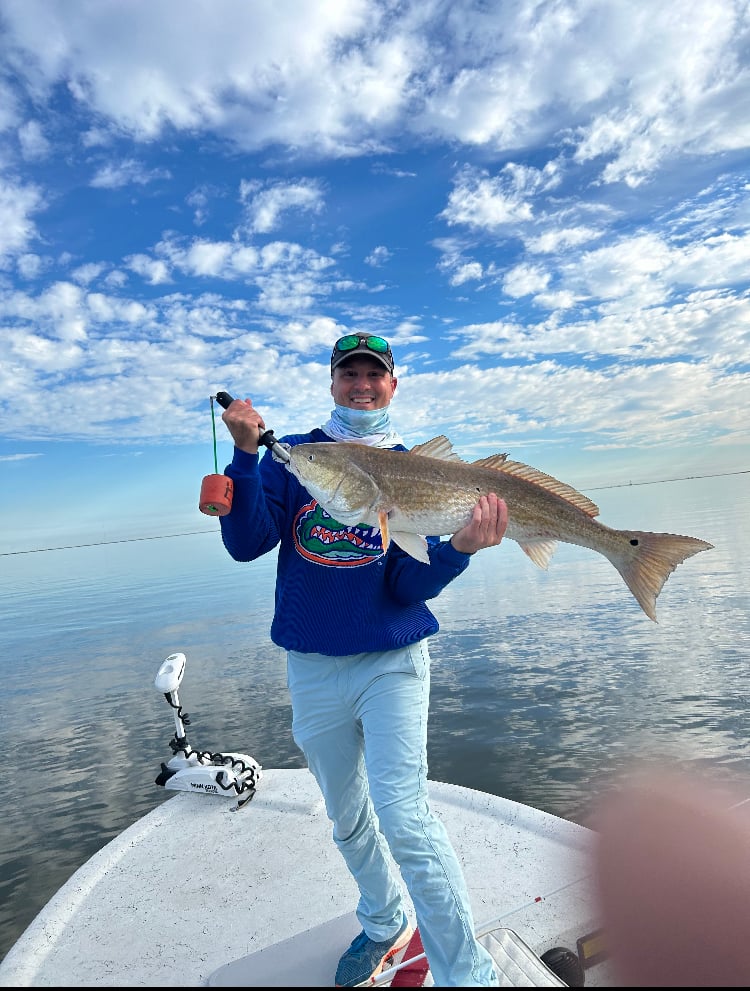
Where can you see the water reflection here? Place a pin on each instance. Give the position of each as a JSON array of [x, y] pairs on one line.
[[546, 685]]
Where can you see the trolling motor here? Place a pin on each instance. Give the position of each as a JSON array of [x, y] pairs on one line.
[[229, 775]]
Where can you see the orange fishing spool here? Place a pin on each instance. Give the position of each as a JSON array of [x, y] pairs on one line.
[[216, 490], [216, 495]]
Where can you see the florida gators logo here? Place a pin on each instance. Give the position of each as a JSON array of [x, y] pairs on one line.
[[322, 539]]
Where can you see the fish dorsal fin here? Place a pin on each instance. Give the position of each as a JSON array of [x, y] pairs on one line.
[[493, 461], [439, 447], [559, 488]]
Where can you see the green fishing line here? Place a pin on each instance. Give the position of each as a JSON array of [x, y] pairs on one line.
[[213, 427]]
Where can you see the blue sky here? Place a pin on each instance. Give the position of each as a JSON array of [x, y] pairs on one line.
[[544, 206]]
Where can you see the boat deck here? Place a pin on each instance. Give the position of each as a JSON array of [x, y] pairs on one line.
[[197, 884]]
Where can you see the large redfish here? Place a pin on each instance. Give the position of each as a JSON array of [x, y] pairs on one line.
[[430, 490]]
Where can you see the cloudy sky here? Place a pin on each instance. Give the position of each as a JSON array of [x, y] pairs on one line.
[[543, 204]]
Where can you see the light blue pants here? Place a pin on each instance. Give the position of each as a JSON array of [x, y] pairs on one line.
[[361, 722]]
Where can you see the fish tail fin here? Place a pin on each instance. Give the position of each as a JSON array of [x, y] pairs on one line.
[[653, 558]]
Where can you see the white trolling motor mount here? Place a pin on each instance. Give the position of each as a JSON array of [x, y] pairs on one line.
[[228, 775]]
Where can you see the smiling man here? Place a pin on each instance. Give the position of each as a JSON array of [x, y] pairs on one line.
[[353, 619], [362, 386]]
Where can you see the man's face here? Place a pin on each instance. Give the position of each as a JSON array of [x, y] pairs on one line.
[[361, 382]]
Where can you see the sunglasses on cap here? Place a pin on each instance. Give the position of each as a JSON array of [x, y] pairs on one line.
[[377, 347], [352, 341]]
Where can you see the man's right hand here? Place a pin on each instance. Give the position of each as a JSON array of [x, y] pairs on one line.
[[486, 528], [245, 424]]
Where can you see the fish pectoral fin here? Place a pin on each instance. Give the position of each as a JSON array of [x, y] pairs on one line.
[[540, 551], [414, 545], [383, 524]]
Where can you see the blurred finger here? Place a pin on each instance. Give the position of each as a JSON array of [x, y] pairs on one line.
[[673, 868]]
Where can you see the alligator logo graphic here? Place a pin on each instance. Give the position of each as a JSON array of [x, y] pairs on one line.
[[322, 539]]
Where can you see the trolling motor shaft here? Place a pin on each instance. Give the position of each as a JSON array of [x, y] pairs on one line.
[[167, 681], [227, 774]]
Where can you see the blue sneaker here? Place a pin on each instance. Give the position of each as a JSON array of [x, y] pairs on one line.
[[366, 959]]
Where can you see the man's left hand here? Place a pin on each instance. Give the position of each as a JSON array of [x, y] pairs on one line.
[[486, 528]]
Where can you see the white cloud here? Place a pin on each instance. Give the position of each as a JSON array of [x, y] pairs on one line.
[[378, 256], [154, 270], [40, 355], [18, 203], [199, 200], [85, 274], [720, 260], [32, 141], [551, 241], [628, 268], [115, 175], [480, 200], [29, 265], [266, 203], [628, 83], [208, 257], [525, 280], [9, 107], [466, 272]]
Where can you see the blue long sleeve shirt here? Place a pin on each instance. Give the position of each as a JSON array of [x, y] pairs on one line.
[[337, 592]]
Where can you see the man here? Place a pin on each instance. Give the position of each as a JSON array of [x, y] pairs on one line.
[[355, 626]]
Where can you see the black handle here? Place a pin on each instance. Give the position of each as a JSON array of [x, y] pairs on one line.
[[224, 399], [267, 438]]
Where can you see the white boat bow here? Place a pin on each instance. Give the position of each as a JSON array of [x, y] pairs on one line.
[[198, 883]]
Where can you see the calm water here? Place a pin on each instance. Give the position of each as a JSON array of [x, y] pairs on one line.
[[546, 685]]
